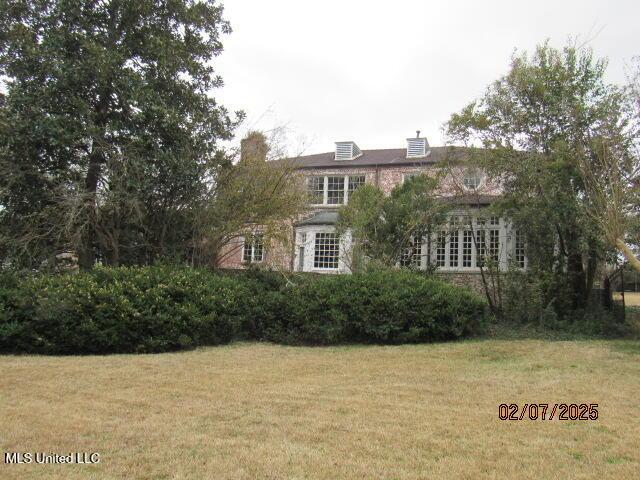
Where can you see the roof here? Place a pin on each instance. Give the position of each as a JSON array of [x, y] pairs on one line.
[[320, 218], [387, 157]]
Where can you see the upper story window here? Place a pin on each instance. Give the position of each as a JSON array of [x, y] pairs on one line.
[[355, 182], [335, 190], [253, 250], [407, 176], [472, 179], [315, 187], [332, 189]]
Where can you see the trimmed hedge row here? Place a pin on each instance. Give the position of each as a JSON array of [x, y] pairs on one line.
[[163, 308], [380, 307]]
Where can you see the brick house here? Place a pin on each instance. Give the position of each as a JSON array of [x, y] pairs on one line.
[[331, 177]]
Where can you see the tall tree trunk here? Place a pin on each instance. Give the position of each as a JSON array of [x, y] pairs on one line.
[[575, 272], [87, 255], [592, 266]]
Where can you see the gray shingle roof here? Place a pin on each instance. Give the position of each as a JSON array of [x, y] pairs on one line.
[[389, 157]]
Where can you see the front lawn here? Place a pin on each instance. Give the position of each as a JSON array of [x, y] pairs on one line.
[[266, 411]]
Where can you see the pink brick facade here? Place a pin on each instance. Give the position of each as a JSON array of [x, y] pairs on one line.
[[385, 169]]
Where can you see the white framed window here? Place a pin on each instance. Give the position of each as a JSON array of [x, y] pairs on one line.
[[355, 182], [519, 250], [472, 179], [494, 244], [467, 243], [407, 176], [326, 252], [315, 187], [253, 249], [481, 246], [454, 237], [333, 189], [441, 249], [412, 254]]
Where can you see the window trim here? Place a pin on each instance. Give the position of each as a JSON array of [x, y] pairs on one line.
[[325, 188], [252, 248], [479, 175], [317, 252]]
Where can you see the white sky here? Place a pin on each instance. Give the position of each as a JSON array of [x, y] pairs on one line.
[[375, 72]]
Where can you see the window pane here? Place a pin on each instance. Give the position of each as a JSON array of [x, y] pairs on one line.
[[258, 248], [412, 254], [472, 179], [246, 250], [253, 250], [441, 244], [355, 182], [467, 240], [326, 251], [480, 248], [453, 248], [494, 245], [335, 190], [315, 186], [519, 253]]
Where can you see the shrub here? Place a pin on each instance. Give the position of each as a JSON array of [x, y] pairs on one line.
[[117, 310], [377, 307], [162, 308]]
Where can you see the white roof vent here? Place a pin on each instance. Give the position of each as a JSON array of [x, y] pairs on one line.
[[347, 151], [417, 147]]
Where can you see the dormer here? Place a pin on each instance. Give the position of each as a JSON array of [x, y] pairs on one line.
[[347, 151], [417, 147]]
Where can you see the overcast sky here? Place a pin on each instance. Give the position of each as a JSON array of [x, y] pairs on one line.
[[375, 72]]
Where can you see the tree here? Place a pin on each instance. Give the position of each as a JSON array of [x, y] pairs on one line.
[[389, 230], [612, 174], [260, 193], [539, 122], [108, 131]]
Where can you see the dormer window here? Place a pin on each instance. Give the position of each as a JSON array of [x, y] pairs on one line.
[[472, 179], [347, 151], [417, 147]]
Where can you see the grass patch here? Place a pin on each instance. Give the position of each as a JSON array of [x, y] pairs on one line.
[[267, 411], [632, 347]]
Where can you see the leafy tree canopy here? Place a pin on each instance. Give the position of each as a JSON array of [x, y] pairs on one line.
[[541, 122], [108, 130], [388, 229]]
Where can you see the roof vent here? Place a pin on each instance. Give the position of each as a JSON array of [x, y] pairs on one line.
[[347, 151], [417, 147]]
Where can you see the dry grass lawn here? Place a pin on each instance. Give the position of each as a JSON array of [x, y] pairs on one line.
[[264, 411], [631, 299]]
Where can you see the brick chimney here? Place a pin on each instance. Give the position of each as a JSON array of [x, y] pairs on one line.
[[254, 147]]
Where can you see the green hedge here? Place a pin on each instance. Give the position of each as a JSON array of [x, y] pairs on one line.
[[380, 307], [149, 309], [163, 308]]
